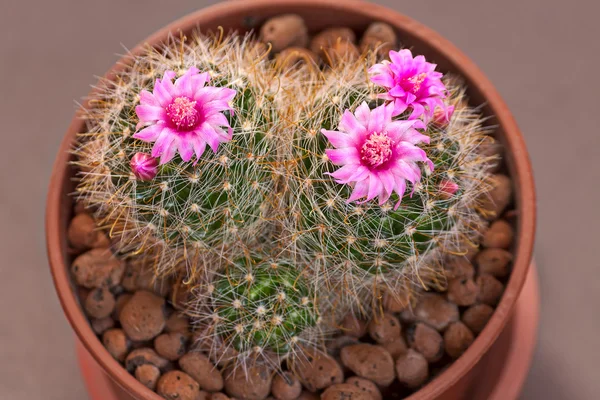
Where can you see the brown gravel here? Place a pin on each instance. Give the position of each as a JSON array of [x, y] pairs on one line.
[[352, 326], [457, 267], [255, 385], [178, 323], [457, 338], [463, 292], [396, 348], [395, 303], [385, 328], [494, 262], [345, 391], [83, 234], [122, 299], [490, 289], [496, 201], [177, 385], [335, 345], [318, 371], [366, 386], [329, 37], [99, 303], [219, 396], [477, 316], [199, 367], [369, 361], [306, 395], [145, 356], [426, 341], [491, 148], [171, 345], [412, 369], [148, 375], [286, 387], [500, 235], [102, 325], [436, 311], [143, 317], [340, 52], [116, 343], [284, 31], [97, 268], [381, 37]]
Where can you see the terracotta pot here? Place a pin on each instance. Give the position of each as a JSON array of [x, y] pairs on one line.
[[456, 381]]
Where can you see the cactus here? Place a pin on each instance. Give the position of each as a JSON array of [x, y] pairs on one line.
[[260, 307], [189, 211], [266, 236], [367, 247]]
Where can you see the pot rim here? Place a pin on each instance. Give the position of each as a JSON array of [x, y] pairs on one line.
[[521, 173]]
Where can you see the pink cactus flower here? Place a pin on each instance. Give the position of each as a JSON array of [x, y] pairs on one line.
[[144, 166], [442, 117], [447, 189], [377, 155], [184, 116], [411, 83]]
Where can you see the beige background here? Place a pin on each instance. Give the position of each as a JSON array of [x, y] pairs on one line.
[[543, 55]]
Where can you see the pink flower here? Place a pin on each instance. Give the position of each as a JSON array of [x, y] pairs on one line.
[[411, 83], [447, 188], [144, 166], [184, 116], [377, 155]]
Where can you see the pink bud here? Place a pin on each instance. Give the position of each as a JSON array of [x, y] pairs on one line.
[[144, 166], [442, 117], [447, 189]]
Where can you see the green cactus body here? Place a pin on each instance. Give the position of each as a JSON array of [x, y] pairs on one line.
[[264, 306]]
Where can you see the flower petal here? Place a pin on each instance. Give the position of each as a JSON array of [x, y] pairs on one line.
[[360, 190], [375, 187], [403, 131], [349, 124], [164, 91], [399, 188], [346, 155], [380, 117], [165, 146], [387, 180], [150, 113], [199, 145], [363, 114], [185, 83], [410, 152], [149, 134], [350, 173], [405, 170], [338, 139], [148, 99], [210, 136], [217, 119], [186, 150]]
